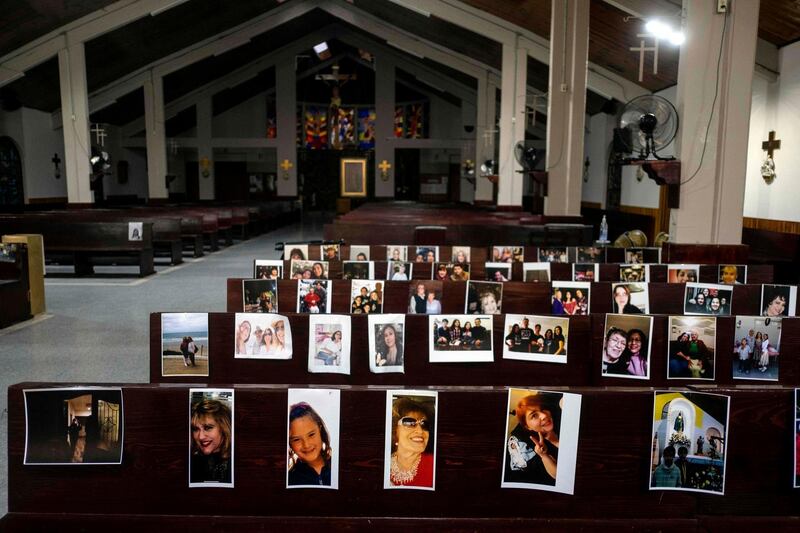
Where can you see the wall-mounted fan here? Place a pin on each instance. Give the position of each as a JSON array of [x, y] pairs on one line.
[[526, 156], [647, 124]]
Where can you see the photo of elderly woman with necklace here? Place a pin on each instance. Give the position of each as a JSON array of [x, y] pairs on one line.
[[410, 440]]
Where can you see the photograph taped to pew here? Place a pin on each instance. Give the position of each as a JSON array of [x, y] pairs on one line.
[[778, 300], [570, 298], [259, 295], [499, 272], [585, 272], [74, 426], [396, 253], [708, 299], [386, 334], [626, 347], [358, 270], [399, 271], [460, 339], [410, 439], [329, 252], [683, 273], [756, 348], [630, 298], [295, 252], [451, 272], [211, 437], [536, 338], [329, 340], [796, 437], [313, 439], [135, 231], [184, 344], [308, 269], [647, 254], [536, 272], [634, 272], [426, 254], [541, 440], [268, 269], [483, 298], [507, 254], [366, 296], [553, 254], [262, 336], [425, 297], [359, 252], [461, 254], [690, 443], [692, 347], [587, 254], [314, 296], [732, 274]]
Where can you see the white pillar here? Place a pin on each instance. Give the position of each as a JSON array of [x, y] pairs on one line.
[[206, 184], [566, 106], [512, 122], [75, 118], [286, 96], [155, 138], [384, 125], [712, 194]]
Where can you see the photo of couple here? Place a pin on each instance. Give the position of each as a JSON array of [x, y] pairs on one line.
[[627, 346], [692, 346]]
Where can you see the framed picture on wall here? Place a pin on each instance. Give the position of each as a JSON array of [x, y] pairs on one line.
[[353, 174]]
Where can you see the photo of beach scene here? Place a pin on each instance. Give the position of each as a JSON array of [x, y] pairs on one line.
[[184, 344]]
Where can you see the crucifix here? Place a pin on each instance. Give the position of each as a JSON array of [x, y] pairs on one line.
[[56, 160], [286, 165], [768, 166], [771, 144], [100, 134], [384, 166], [642, 49]]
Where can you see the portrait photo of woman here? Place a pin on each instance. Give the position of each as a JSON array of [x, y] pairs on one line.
[[211, 438], [410, 451], [778, 300], [313, 439], [386, 343], [629, 298]]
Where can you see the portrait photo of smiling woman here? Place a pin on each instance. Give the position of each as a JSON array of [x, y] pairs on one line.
[[313, 439], [211, 438], [410, 452]]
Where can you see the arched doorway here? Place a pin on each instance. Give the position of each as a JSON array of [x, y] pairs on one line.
[[12, 197]]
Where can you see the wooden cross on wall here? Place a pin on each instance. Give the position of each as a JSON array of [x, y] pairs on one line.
[[771, 144]]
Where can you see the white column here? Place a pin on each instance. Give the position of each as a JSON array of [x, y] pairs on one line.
[[155, 138], [75, 118], [712, 194], [485, 144], [566, 106], [206, 184], [286, 95], [509, 187], [384, 125]]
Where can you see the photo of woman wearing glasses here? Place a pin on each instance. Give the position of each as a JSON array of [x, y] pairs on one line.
[[410, 440], [262, 336]]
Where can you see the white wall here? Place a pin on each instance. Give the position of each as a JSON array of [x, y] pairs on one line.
[[596, 143], [248, 119]]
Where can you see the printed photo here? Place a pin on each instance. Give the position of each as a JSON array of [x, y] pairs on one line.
[[460, 339], [399, 271], [690, 432], [536, 272], [366, 296], [683, 273], [626, 348], [184, 344], [426, 254], [359, 252], [308, 269], [508, 254], [732, 274], [397, 253], [634, 272], [268, 269], [451, 272], [313, 439], [211, 438], [778, 300], [499, 272], [296, 252], [262, 336], [425, 297], [588, 254], [410, 442], [692, 347], [484, 298], [536, 338], [570, 298], [630, 298], [541, 440], [707, 299], [329, 252], [329, 344], [553, 254], [756, 347], [386, 336], [634, 255], [358, 270], [585, 272], [461, 254], [796, 438], [73, 426], [314, 296], [260, 295]]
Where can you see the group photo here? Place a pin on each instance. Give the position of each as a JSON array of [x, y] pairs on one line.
[[756, 348], [460, 338], [536, 338], [570, 298]]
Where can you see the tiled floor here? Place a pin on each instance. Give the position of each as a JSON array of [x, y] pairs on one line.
[[96, 329]]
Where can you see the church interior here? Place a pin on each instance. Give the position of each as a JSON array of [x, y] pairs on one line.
[[151, 150]]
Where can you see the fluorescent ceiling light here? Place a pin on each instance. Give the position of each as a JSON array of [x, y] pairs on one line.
[[321, 47], [415, 9], [662, 31], [677, 38], [165, 7], [390, 43]]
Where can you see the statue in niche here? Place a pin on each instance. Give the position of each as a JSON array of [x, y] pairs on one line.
[[678, 426]]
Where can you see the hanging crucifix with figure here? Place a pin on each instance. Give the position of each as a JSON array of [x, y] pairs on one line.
[[768, 166]]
